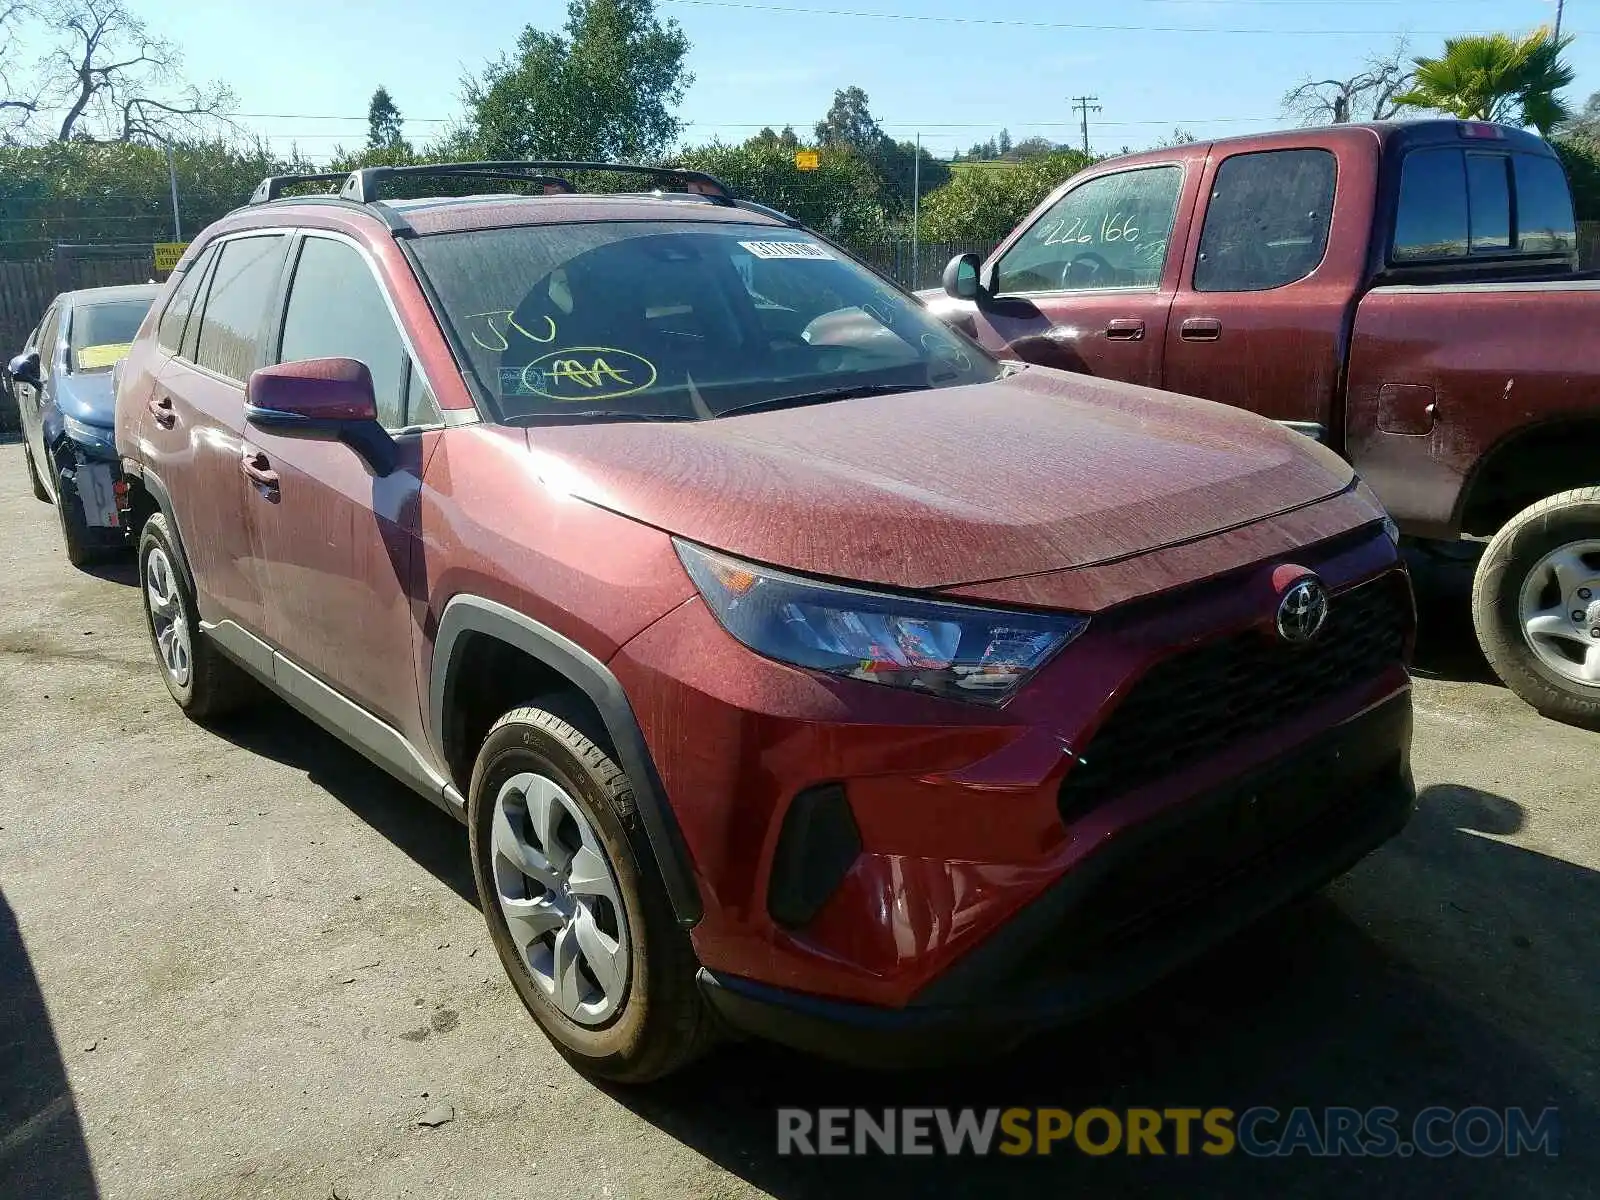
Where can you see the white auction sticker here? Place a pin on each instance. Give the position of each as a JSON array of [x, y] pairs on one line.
[[787, 250]]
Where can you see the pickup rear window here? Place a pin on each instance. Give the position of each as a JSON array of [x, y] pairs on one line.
[[1456, 203]]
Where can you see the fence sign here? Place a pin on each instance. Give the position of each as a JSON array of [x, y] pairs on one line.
[[807, 160], [168, 254]]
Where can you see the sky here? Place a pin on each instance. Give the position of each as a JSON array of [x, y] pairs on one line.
[[954, 72]]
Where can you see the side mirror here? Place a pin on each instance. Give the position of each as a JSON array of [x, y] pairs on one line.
[[326, 398], [24, 368], [961, 277]]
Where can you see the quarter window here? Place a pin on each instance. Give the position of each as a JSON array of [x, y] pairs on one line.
[[244, 282], [336, 311], [1110, 232], [1267, 220], [169, 334]]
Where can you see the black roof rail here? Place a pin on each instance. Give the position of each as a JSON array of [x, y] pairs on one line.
[[766, 211], [365, 185], [272, 186]]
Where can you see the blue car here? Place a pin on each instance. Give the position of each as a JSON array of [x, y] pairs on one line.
[[64, 391]]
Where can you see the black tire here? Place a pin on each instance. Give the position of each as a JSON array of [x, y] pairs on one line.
[[1496, 592], [214, 685], [663, 1023], [84, 549], [39, 492]]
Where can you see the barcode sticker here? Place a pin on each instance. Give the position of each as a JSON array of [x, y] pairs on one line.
[[787, 250]]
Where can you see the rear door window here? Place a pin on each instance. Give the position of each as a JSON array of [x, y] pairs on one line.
[[169, 334], [242, 285], [1544, 206], [1110, 232], [1267, 220]]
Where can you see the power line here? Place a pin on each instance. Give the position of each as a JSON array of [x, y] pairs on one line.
[[1004, 22]]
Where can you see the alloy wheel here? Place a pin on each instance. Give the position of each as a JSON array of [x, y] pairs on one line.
[[1559, 608], [167, 617]]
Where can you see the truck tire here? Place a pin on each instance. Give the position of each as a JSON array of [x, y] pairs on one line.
[[575, 905], [204, 681], [39, 492], [1536, 605]]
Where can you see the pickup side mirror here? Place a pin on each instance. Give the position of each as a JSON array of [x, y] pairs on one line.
[[963, 277], [24, 368], [327, 398]]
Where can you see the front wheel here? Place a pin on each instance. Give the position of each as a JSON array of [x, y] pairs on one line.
[[575, 907], [39, 492], [1536, 605]]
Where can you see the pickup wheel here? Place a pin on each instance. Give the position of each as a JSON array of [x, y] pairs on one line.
[[1536, 605], [576, 909]]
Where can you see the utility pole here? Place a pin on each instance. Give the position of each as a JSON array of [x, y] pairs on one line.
[[1085, 105], [1560, 4], [916, 215]]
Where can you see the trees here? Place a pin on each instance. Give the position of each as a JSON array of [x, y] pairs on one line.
[[1495, 77], [385, 125], [108, 76], [1585, 124], [984, 203], [841, 197], [850, 123], [603, 89], [1368, 95]]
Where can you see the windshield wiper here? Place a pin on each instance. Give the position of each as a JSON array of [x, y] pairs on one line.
[[595, 414], [801, 399]]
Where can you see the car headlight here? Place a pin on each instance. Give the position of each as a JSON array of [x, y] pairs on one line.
[[1364, 490], [955, 650], [82, 431]]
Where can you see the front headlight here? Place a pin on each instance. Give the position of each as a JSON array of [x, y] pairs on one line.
[[954, 650], [1364, 490], [85, 434]]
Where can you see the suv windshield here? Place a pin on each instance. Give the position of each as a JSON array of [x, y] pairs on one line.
[[679, 320], [103, 333]]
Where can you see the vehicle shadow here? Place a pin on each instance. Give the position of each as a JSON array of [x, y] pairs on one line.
[[42, 1148], [1447, 646], [428, 835], [1449, 969], [120, 569]]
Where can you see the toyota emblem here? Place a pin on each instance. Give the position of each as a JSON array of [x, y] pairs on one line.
[[1302, 611]]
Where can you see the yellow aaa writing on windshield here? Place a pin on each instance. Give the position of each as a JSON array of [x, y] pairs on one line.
[[588, 373]]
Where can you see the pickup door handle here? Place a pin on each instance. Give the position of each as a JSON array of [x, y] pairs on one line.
[[257, 468], [1200, 329], [1125, 329], [161, 410]]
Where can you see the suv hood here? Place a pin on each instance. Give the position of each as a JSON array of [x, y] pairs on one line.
[[1040, 471]]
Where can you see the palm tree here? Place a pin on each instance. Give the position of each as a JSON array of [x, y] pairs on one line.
[[1496, 77]]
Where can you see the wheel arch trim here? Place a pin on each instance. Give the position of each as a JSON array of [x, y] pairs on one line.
[[469, 614]]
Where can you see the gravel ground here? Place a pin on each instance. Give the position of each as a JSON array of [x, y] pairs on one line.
[[242, 962]]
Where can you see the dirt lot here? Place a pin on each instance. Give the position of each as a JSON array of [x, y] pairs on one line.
[[242, 962]]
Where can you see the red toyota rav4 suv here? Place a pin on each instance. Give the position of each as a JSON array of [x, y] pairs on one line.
[[797, 667]]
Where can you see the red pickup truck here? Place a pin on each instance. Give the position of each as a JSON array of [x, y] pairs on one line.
[[1407, 293]]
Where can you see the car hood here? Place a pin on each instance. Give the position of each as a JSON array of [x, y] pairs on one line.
[[1040, 471], [86, 397]]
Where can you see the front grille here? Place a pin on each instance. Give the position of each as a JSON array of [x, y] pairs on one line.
[[1200, 702]]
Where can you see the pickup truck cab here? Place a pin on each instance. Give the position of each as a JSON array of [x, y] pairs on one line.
[[1406, 293]]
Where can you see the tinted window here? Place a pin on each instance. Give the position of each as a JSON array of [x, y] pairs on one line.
[[1544, 207], [336, 311], [1432, 218], [679, 319], [170, 333], [47, 338], [103, 333], [1488, 202], [1267, 220], [243, 283], [1111, 232]]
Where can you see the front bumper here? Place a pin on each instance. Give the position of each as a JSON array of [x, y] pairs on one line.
[[1158, 895]]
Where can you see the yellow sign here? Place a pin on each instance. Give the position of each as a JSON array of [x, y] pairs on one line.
[[168, 254], [807, 160], [98, 358]]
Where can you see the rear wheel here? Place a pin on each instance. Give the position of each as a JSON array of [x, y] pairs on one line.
[[575, 907], [203, 681], [1536, 605]]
